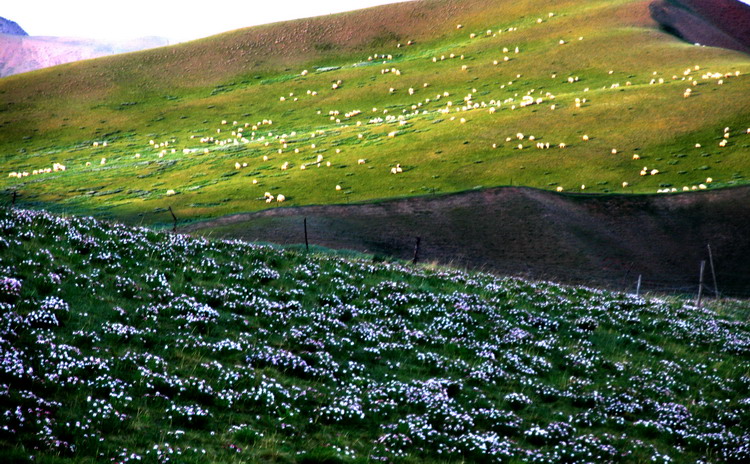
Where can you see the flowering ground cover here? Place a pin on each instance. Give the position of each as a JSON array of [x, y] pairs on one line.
[[122, 344]]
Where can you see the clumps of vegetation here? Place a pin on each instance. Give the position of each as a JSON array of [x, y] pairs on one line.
[[127, 345]]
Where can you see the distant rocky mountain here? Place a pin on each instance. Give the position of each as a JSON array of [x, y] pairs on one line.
[[10, 28], [20, 52]]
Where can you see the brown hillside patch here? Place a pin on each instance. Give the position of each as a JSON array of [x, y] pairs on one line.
[[717, 23], [605, 240]]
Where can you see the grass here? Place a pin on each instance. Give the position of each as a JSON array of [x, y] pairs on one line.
[[128, 345], [175, 93]]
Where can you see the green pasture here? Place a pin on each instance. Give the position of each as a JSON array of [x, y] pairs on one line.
[[171, 95]]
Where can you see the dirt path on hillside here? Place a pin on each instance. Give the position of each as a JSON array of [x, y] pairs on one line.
[[590, 239]]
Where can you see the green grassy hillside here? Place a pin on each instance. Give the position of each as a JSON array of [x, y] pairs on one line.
[[125, 345], [456, 129]]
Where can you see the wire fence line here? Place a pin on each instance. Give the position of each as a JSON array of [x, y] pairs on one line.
[[615, 275]]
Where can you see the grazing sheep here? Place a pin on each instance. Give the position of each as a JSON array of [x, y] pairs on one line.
[[636, 157], [338, 187], [585, 138], [170, 192], [360, 161], [625, 184], [280, 198], [559, 189]]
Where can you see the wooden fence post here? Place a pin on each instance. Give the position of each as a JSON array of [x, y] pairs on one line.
[[713, 270], [307, 244], [700, 284], [174, 220], [416, 251], [638, 286]]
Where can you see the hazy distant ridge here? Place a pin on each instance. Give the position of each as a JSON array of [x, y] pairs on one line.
[[10, 27], [20, 52]]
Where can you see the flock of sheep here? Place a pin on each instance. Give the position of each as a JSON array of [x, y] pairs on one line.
[[288, 147]]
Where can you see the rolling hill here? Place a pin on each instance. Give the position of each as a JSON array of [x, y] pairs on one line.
[[454, 94]]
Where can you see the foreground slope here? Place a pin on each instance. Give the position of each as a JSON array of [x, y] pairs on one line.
[[395, 86], [126, 345]]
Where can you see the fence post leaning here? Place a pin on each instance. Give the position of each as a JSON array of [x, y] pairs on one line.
[[713, 270], [174, 220], [700, 285], [416, 251], [638, 286]]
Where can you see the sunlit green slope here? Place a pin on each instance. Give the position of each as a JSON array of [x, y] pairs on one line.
[[458, 94]]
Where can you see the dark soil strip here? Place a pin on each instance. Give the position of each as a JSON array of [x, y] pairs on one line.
[[589, 239]]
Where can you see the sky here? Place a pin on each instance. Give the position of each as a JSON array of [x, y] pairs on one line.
[[177, 20]]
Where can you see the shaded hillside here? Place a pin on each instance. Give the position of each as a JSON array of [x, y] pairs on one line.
[[21, 53], [607, 240], [716, 23]]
